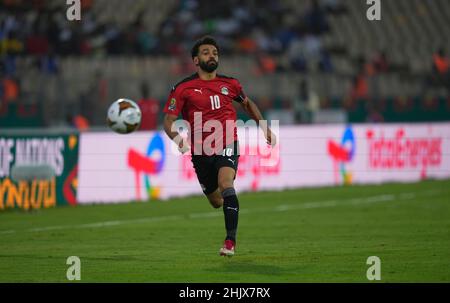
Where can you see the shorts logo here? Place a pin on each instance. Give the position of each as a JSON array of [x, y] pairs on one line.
[[224, 91], [173, 104], [203, 187]]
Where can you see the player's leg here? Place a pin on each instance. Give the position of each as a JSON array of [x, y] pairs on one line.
[[230, 201], [227, 168], [215, 199], [207, 177], [226, 178]]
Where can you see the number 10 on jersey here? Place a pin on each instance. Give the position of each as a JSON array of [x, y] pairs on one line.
[[215, 102]]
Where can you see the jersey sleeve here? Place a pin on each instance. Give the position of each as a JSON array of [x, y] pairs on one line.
[[240, 95], [175, 102]]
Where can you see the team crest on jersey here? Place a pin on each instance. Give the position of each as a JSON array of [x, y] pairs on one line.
[[224, 91], [173, 104]]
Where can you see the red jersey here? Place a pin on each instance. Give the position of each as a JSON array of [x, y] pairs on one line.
[[207, 105]]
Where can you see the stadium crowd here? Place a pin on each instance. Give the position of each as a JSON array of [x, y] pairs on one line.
[[242, 27], [280, 39]]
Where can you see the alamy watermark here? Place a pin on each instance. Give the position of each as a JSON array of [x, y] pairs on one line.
[[220, 136], [374, 11], [74, 10], [73, 273], [374, 271]]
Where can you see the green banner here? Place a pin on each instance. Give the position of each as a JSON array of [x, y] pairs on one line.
[[58, 152]]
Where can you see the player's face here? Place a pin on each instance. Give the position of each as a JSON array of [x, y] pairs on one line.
[[208, 58]]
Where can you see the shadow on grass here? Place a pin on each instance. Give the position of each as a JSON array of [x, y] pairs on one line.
[[233, 266]]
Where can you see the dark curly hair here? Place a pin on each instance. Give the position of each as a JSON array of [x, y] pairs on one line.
[[202, 41]]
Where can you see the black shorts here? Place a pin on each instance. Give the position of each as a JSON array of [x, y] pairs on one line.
[[207, 167]]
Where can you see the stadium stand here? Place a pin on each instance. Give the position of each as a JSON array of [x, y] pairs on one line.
[[352, 64]]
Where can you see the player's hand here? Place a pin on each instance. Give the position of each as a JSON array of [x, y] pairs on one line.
[[183, 146], [271, 138]]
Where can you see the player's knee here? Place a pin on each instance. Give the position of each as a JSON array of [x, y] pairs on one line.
[[217, 205], [225, 184]]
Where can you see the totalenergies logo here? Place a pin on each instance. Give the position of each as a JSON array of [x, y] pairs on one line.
[[147, 165], [342, 153], [404, 152]]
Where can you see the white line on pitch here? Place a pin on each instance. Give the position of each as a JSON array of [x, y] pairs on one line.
[[280, 208]]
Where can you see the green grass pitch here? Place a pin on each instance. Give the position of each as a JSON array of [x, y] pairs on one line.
[[304, 235]]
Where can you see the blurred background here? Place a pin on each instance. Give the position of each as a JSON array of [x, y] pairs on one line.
[[314, 61]]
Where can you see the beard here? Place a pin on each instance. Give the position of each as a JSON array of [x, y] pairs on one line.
[[209, 66]]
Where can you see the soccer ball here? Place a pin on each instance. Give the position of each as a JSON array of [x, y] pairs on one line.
[[124, 116]]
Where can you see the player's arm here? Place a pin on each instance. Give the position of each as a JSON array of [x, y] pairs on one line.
[[253, 111], [168, 122]]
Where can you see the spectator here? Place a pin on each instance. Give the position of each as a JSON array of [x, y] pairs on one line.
[[266, 64], [80, 122], [359, 89], [9, 64], [247, 45], [37, 43], [441, 63], [364, 66], [315, 19], [11, 44], [305, 104], [113, 37], [303, 50], [334, 7], [146, 43], [325, 64], [10, 90], [93, 101], [149, 108], [3, 104], [49, 63], [381, 63], [86, 5], [373, 114], [312, 46]]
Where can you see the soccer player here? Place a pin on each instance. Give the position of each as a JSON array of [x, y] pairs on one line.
[[205, 100]]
